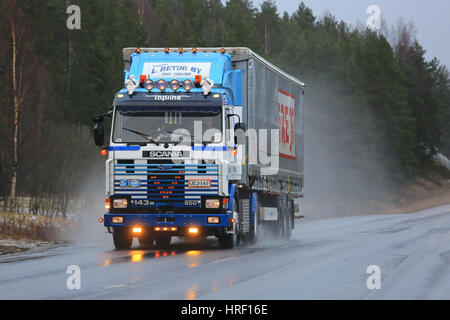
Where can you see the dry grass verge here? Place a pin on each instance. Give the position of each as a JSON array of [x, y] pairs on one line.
[[33, 227]]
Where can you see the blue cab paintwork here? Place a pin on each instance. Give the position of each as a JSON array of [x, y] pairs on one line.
[[226, 80]]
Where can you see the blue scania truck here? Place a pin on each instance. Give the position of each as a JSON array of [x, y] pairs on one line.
[[204, 142]]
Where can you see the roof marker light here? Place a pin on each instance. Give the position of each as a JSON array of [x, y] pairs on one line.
[[180, 50], [138, 50], [222, 51], [166, 50], [198, 80], [194, 50], [142, 79]]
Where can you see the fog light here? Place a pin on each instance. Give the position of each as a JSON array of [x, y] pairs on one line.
[[174, 85], [149, 84], [187, 85], [161, 84], [117, 220], [137, 230], [193, 230], [120, 203], [212, 203], [213, 220]]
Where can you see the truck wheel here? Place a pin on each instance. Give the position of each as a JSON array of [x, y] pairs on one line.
[[147, 239], [230, 240], [163, 241], [122, 239]]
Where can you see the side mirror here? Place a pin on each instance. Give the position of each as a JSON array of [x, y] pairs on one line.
[[99, 134], [239, 133], [98, 119]]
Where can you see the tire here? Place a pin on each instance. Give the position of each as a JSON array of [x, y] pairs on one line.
[[231, 240], [147, 239], [257, 228], [227, 241], [122, 239], [163, 241], [288, 221]]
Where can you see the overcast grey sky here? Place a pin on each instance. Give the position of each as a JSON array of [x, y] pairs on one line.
[[431, 18]]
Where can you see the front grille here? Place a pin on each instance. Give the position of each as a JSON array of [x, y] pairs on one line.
[[164, 183]]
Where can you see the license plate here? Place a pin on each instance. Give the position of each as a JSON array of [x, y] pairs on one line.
[[199, 183]]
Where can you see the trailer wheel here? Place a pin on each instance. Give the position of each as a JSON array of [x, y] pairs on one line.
[[122, 239], [231, 240], [163, 241], [257, 230], [288, 221]]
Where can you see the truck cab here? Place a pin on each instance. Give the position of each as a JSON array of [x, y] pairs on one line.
[[177, 150]]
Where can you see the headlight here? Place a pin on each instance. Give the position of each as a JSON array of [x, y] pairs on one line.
[[161, 84], [212, 203], [117, 219], [120, 203], [213, 220]]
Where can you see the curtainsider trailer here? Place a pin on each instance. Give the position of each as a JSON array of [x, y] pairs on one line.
[[204, 142]]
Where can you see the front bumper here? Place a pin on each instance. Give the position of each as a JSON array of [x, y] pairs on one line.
[[167, 220]]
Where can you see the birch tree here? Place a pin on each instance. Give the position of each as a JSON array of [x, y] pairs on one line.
[[19, 41]]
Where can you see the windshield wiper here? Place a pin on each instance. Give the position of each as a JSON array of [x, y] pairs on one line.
[[148, 137]]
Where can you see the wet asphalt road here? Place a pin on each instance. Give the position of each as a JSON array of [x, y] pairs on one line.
[[325, 259]]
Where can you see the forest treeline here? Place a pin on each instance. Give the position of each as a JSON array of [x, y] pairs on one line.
[[372, 100]]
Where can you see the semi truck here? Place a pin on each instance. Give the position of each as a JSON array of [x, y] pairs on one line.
[[203, 142]]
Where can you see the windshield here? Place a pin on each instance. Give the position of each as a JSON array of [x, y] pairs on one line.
[[167, 124]]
